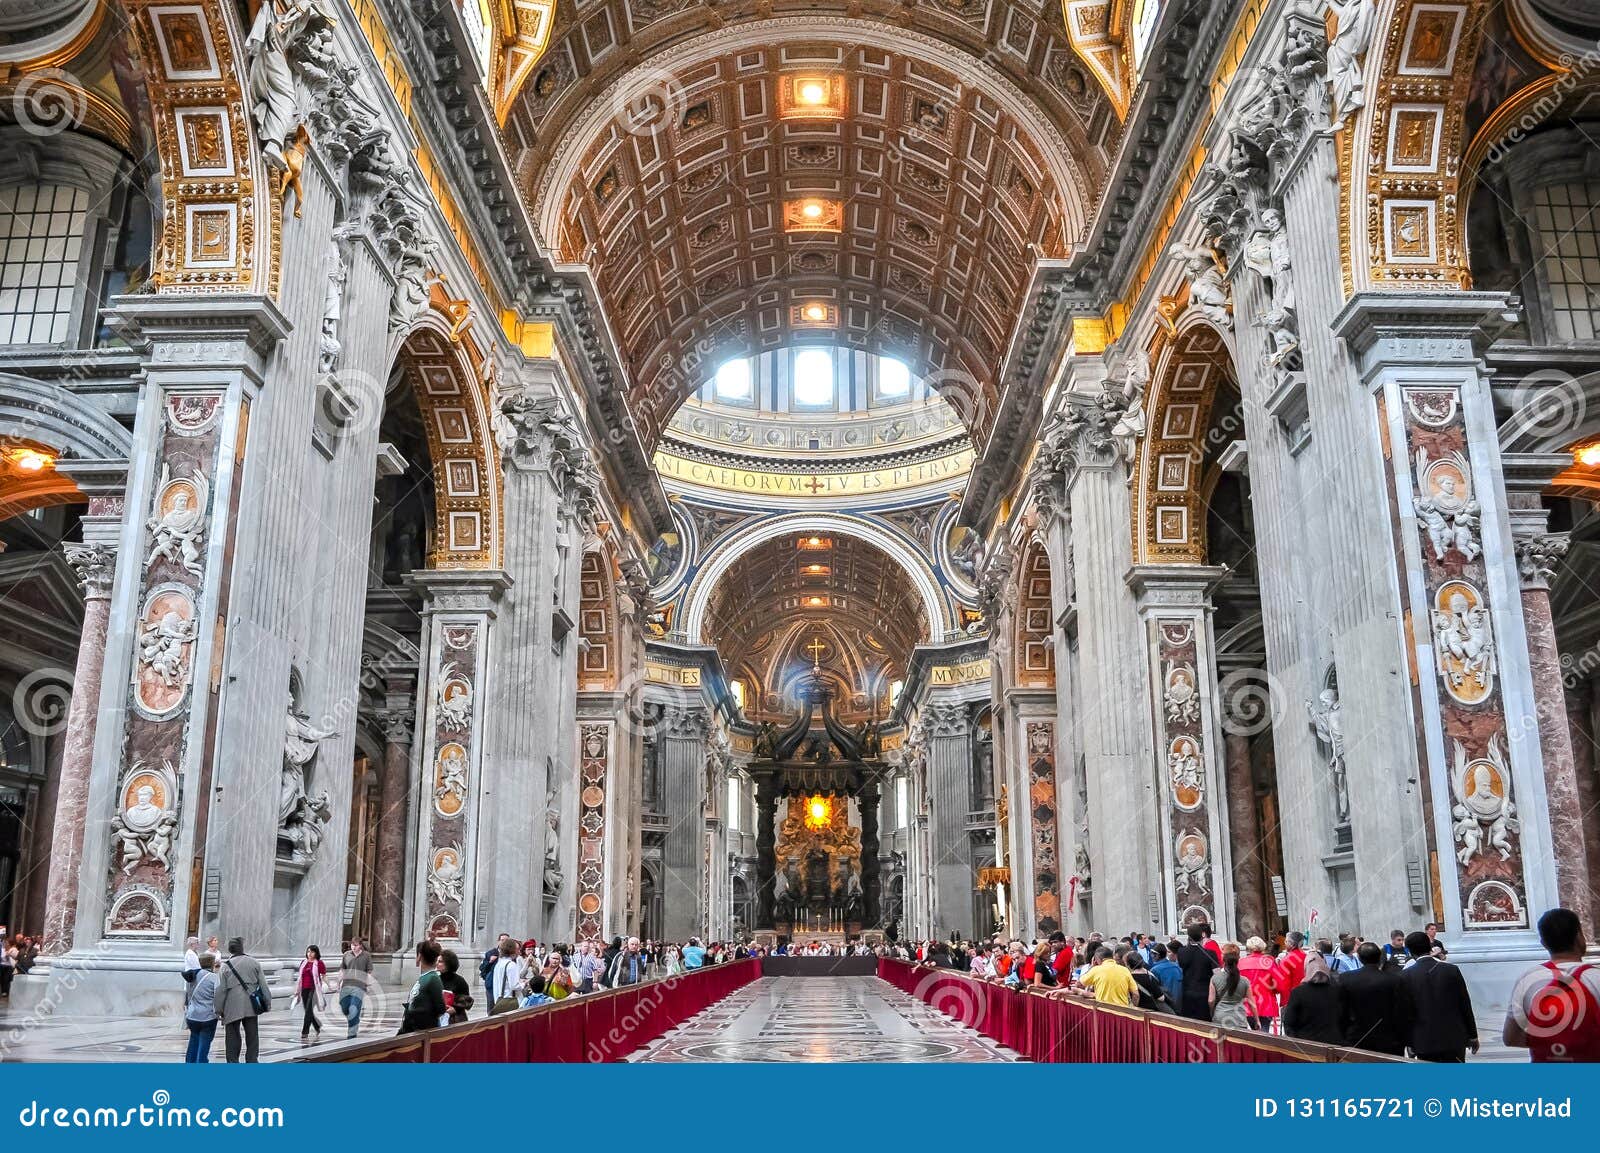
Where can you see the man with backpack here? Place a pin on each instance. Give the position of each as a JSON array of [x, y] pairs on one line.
[[1555, 1009], [242, 996]]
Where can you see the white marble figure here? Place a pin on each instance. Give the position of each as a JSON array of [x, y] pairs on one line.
[[455, 700], [306, 827], [1328, 721], [1468, 834], [1181, 698], [413, 276], [302, 739], [445, 878], [1191, 863], [1347, 54], [162, 645], [328, 344], [1464, 642], [1184, 766], [552, 834], [1266, 253], [1208, 291], [177, 533], [144, 831], [1129, 428], [279, 24], [1484, 811], [1445, 504], [452, 774]]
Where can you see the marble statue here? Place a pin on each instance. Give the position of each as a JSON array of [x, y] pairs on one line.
[[1266, 253], [1328, 722], [445, 875], [1347, 54], [1484, 814], [178, 525], [1464, 642], [1181, 699], [1129, 428], [146, 829], [328, 344], [1445, 504], [1080, 859], [278, 26], [552, 834], [162, 647], [302, 740], [413, 276], [1208, 291], [454, 711], [303, 832]]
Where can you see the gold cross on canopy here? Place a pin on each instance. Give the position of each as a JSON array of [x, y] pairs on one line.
[[816, 648]]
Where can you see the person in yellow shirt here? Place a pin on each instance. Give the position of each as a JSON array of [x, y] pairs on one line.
[[1110, 982]]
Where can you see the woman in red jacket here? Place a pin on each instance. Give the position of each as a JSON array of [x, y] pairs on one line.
[[1254, 966]]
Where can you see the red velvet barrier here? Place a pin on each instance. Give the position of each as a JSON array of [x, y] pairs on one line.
[[1069, 1029], [596, 1027]]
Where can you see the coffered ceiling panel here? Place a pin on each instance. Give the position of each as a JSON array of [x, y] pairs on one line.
[[782, 594], [716, 183]]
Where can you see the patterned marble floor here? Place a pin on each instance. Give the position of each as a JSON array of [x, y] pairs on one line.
[[26, 1037], [822, 1019]]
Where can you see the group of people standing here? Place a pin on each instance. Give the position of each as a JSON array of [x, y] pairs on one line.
[[1400, 998]]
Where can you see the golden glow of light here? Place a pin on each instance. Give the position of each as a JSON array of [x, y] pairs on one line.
[[31, 460], [815, 542], [816, 602], [819, 812], [1589, 455], [811, 91], [815, 568], [811, 209], [816, 312]]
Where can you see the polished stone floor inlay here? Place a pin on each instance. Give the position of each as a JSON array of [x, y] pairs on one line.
[[819, 1019]]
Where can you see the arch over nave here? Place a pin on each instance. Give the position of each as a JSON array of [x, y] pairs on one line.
[[490, 467]]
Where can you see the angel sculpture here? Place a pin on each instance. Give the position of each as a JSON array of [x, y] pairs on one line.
[[1208, 291], [1445, 504], [1129, 428], [178, 525]]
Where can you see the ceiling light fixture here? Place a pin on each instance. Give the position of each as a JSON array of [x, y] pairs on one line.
[[1589, 455], [31, 460], [810, 91], [817, 312]]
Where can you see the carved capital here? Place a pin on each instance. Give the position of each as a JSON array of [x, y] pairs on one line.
[[397, 725], [1538, 554], [685, 722], [96, 566], [1080, 435], [945, 719]]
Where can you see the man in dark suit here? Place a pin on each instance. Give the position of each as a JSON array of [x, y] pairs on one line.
[[1444, 1027], [1377, 1005], [1197, 965]]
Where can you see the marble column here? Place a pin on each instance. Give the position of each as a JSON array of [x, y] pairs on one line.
[[96, 566], [1485, 785], [1244, 834], [460, 610], [1175, 605], [867, 802], [394, 786], [1115, 735], [1538, 553], [682, 737], [947, 729]]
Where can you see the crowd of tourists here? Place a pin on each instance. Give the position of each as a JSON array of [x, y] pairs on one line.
[[1401, 997], [231, 990]]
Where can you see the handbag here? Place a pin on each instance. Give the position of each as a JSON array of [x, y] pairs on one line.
[[504, 1003], [258, 1000]]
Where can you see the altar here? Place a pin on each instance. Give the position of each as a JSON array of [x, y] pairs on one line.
[[817, 869]]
